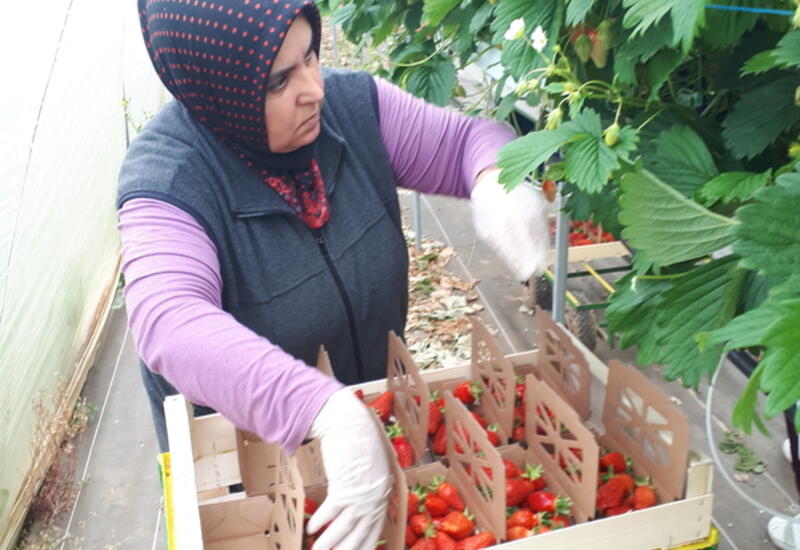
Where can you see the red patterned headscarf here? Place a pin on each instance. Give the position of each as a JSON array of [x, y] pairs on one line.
[[215, 57]]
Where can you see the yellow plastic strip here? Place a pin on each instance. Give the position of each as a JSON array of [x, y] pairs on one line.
[[713, 538], [608, 286], [166, 485], [571, 297]]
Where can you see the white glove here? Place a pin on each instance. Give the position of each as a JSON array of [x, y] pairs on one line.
[[513, 224], [357, 469]]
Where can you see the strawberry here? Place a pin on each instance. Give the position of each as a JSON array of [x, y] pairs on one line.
[[511, 469], [518, 434], [534, 473], [411, 536], [413, 500], [384, 405], [449, 493], [436, 506], [644, 497], [618, 510], [611, 493], [481, 540], [402, 447], [419, 523], [630, 483], [457, 525], [542, 529], [517, 532], [545, 501], [434, 418], [444, 542], [493, 435], [559, 521], [523, 518], [613, 462], [480, 420], [519, 414], [309, 507], [467, 392], [424, 544], [439, 445], [517, 490], [359, 394]]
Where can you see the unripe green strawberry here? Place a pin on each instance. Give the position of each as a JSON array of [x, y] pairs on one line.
[[796, 18], [611, 135], [583, 48], [554, 119]]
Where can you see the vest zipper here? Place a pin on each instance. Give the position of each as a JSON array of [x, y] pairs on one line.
[[345, 299]]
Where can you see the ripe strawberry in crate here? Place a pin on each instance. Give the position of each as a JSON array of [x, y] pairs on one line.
[[402, 447], [518, 429], [383, 405], [618, 492]]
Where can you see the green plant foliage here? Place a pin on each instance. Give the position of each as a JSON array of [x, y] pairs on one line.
[[436, 10], [682, 160], [577, 10], [434, 81], [687, 16], [732, 186], [787, 54], [666, 227]]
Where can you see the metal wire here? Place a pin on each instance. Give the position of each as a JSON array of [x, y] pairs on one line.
[[768, 11]]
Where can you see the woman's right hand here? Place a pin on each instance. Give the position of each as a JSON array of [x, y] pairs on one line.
[[357, 468]]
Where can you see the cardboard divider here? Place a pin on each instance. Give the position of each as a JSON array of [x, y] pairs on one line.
[[286, 526], [258, 463], [394, 527], [476, 465], [641, 422], [237, 524], [564, 441], [411, 395], [562, 365], [490, 365]]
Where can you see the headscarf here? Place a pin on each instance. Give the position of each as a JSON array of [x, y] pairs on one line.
[[215, 57]]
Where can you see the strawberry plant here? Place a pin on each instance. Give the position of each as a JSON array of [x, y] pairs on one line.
[[672, 123]]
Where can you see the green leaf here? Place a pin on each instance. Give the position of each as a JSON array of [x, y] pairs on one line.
[[759, 63], [436, 10], [687, 16], [590, 163], [744, 413], [760, 115], [343, 15], [681, 159], [632, 312], [746, 330], [480, 18], [534, 14], [601, 207], [660, 68], [768, 237], [506, 106], [701, 300], [787, 54], [732, 186], [664, 226], [725, 28], [433, 82], [522, 156], [520, 58], [577, 10], [781, 378]]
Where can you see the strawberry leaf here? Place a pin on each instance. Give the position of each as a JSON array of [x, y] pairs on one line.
[[664, 226], [433, 81], [577, 10], [687, 16], [759, 63], [787, 54], [681, 159], [781, 362], [732, 186], [589, 163], [524, 155], [436, 10], [744, 413]]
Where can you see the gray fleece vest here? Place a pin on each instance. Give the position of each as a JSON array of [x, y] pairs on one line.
[[344, 286]]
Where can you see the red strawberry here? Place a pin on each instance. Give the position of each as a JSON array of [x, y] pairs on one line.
[[523, 518], [618, 510], [309, 507], [559, 521], [517, 532], [545, 501], [450, 495], [534, 473], [630, 483], [611, 493], [413, 501], [434, 418], [419, 523], [481, 540], [424, 544], [384, 404], [517, 490], [511, 469], [493, 435], [402, 447], [613, 461], [644, 497], [519, 415], [436, 506], [549, 188], [467, 392], [457, 525], [480, 419], [518, 434], [439, 445], [359, 394], [444, 542], [411, 536]]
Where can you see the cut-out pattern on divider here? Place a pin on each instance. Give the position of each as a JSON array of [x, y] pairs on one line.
[[641, 422], [562, 365], [495, 371], [565, 447], [411, 396], [286, 527]]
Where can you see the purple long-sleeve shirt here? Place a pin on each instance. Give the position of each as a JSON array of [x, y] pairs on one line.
[[173, 287]]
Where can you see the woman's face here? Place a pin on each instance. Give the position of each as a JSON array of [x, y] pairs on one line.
[[294, 92]]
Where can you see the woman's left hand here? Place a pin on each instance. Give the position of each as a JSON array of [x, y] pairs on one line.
[[513, 223]]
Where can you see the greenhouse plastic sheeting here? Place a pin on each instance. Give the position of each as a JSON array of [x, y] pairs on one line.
[[66, 65]]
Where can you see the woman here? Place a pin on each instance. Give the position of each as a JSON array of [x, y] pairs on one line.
[[259, 220]]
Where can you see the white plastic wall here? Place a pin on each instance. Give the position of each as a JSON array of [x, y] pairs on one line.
[[64, 65]]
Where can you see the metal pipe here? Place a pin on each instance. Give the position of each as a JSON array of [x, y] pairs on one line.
[[560, 267]]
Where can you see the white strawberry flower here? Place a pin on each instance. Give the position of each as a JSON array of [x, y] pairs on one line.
[[539, 39], [516, 30]]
